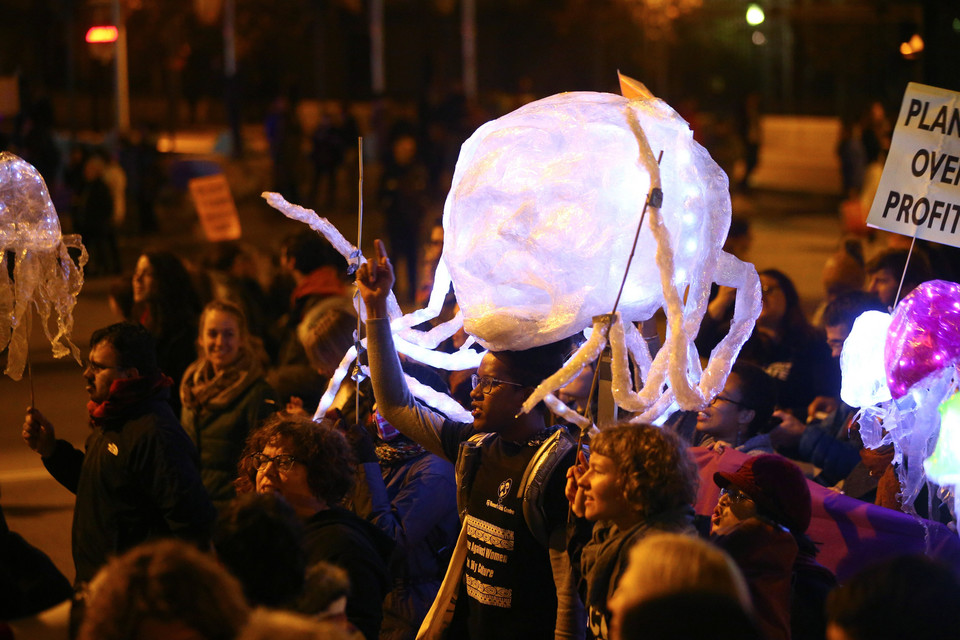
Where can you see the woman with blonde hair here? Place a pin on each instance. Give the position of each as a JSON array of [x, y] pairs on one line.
[[224, 396], [665, 563]]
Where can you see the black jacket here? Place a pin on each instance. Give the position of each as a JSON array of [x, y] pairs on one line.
[[342, 538], [138, 480]]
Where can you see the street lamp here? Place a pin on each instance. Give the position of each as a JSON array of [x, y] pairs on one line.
[[755, 15]]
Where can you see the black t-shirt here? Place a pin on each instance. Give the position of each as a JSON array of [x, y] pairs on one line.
[[508, 589]]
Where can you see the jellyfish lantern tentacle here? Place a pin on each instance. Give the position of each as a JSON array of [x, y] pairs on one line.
[[419, 345]]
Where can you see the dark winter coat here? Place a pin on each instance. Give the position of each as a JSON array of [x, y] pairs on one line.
[[138, 479], [342, 538], [219, 430], [414, 501]]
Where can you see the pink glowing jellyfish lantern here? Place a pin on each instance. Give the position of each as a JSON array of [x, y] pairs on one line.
[[920, 354], [924, 335]]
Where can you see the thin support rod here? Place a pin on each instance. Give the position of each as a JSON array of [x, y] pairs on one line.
[[616, 303], [356, 365], [903, 276], [588, 411], [30, 377], [633, 249]]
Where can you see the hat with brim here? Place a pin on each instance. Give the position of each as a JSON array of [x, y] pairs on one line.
[[776, 485]]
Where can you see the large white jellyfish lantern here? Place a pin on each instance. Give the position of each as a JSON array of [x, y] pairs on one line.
[[920, 344], [44, 275], [539, 229]]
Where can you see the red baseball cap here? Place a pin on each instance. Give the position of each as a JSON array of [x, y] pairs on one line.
[[776, 485]]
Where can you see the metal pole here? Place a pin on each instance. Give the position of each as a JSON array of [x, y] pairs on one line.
[[468, 32], [231, 90], [378, 78], [122, 82], [229, 38]]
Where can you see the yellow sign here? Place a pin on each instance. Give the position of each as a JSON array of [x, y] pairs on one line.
[[215, 206]]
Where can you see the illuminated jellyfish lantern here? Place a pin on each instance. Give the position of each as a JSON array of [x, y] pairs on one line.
[[922, 353], [44, 276], [539, 226], [921, 349]]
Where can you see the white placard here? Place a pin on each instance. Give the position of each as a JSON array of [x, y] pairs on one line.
[[919, 192], [216, 208]]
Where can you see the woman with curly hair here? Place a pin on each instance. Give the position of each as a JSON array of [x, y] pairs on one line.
[[638, 480], [312, 466]]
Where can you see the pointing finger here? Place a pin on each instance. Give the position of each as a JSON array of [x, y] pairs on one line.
[[382, 250], [371, 275]]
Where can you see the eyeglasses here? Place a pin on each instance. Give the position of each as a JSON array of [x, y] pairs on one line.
[[487, 384], [283, 462], [730, 400], [734, 496]]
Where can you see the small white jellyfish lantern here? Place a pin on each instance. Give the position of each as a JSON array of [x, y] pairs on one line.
[[44, 276], [864, 378]]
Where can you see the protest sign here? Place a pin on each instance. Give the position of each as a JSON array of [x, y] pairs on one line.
[[215, 206], [919, 193]]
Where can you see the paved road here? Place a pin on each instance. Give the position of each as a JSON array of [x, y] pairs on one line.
[[792, 233]]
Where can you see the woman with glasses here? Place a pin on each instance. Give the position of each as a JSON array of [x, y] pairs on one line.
[[311, 465], [224, 395], [783, 343], [638, 480], [761, 520], [739, 416]]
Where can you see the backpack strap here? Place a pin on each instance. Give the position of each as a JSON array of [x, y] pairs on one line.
[[465, 470], [536, 477]]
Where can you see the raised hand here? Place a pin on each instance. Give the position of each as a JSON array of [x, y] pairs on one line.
[[375, 279], [789, 432], [573, 491]]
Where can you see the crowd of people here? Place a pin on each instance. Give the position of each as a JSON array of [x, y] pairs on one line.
[[211, 501]]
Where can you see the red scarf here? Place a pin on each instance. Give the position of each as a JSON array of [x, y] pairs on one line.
[[124, 394]]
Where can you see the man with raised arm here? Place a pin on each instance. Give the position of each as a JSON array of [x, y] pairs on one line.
[[512, 580]]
